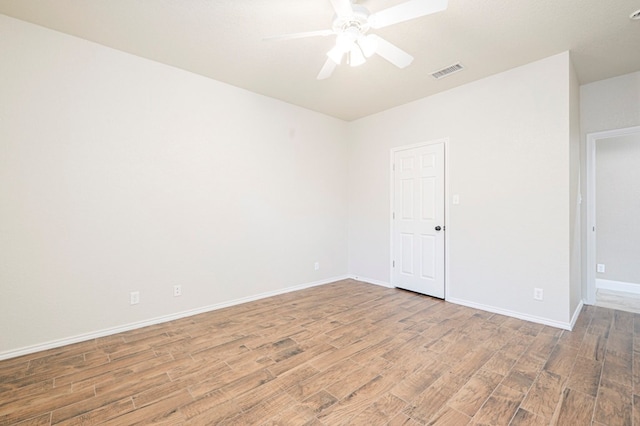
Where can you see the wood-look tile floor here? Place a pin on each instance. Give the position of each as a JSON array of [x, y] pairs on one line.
[[343, 353], [619, 300]]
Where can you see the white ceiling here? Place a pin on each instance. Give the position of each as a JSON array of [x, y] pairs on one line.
[[222, 39]]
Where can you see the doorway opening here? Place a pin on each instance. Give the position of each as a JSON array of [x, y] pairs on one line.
[[612, 279]]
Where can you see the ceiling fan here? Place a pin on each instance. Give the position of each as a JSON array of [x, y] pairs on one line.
[[351, 24]]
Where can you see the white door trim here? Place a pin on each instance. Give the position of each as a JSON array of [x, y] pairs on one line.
[[392, 152], [590, 295]]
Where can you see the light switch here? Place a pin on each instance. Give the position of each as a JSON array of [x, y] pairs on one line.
[[456, 199], [600, 268]]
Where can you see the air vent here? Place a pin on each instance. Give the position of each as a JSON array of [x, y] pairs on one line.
[[451, 69]]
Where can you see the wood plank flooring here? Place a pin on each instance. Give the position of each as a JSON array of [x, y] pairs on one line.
[[343, 353], [618, 300]]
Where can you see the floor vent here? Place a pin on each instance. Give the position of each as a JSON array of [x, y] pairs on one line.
[[447, 71]]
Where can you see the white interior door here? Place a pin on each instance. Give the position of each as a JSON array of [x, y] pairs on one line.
[[418, 219]]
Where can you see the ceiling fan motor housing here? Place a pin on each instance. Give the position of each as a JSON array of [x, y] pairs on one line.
[[358, 20]]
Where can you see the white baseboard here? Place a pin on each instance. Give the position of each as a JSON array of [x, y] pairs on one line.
[[519, 315], [166, 318], [576, 314], [526, 317], [371, 281], [618, 286]]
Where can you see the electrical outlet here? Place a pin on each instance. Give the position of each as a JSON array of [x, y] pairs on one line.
[[600, 268], [537, 294], [134, 297], [177, 290], [316, 266]]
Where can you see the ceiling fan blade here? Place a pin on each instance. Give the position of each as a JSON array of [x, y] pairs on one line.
[[327, 69], [342, 7], [392, 53], [406, 11], [299, 35]]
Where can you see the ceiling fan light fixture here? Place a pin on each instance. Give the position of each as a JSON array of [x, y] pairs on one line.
[[336, 54], [368, 44], [345, 43], [356, 58], [345, 40]]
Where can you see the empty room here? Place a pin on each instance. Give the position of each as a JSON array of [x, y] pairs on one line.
[[321, 212]]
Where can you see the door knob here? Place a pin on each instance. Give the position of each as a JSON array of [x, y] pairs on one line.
[[438, 228]]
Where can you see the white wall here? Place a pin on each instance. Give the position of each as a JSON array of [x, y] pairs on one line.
[[575, 197], [618, 208], [610, 104], [509, 160], [121, 174]]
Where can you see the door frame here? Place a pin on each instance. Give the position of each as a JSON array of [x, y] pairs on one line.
[[591, 230], [392, 153]]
